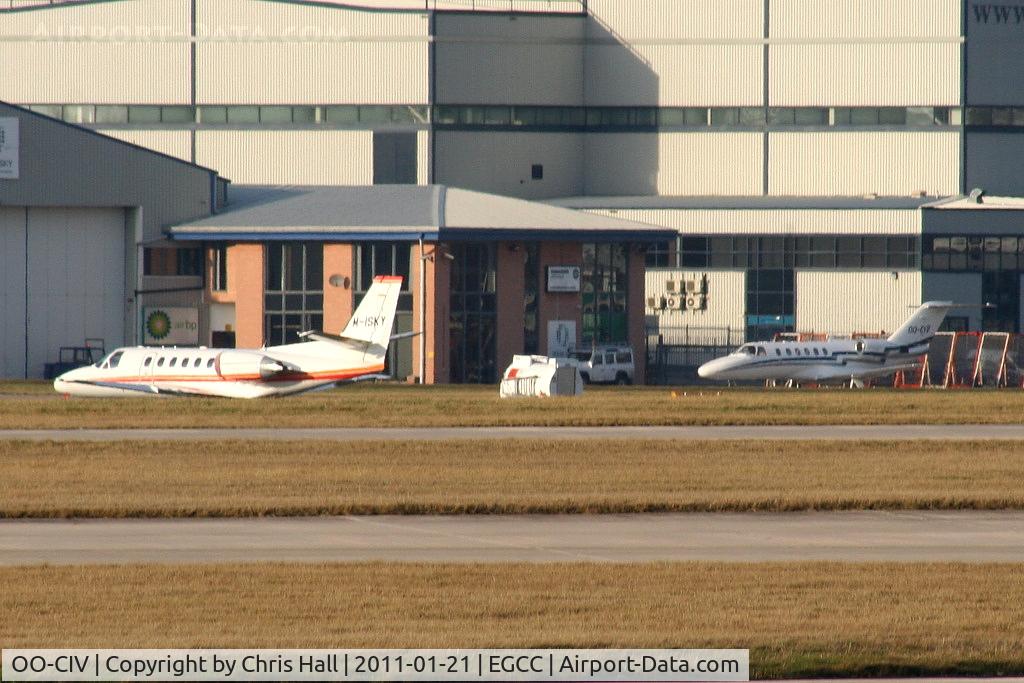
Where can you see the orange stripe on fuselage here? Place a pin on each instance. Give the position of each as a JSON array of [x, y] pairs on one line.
[[283, 377]]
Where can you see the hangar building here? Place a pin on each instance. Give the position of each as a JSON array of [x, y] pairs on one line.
[[800, 150]]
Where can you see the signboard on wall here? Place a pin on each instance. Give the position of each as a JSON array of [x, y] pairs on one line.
[[9, 148], [561, 337], [563, 278], [165, 326]]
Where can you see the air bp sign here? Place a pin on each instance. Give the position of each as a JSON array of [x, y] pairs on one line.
[[165, 326], [9, 148]]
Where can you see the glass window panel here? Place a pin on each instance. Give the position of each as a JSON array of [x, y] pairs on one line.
[[863, 116], [751, 116], [349, 114], [696, 116], [848, 244], [781, 116], [958, 244], [524, 116], [1008, 261], [1002, 116], [243, 114], [810, 116], [409, 114], [724, 116], [822, 243], [304, 114], [992, 244], [498, 116], [593, 116], [365, 255], [1009, 245], [274, 261], [375, 114], [921, 116], [82, 113], [647, 116], [940, 245], [874, 260], [213, 114], [275, 114], [1018, 116], [892, 116], [823, 260], [177, 115], [111, 114], [293, 267], [403, 263], [991, 261], [874, 243], [847, 259], [671, 116], [314, 266], [617, 116], [549, 116], [979, 116], [52, 110], [842, 116], [293, 302], [573, 116], [273, 302]]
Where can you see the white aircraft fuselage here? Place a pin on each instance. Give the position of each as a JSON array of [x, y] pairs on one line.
[[835, 359], [248, 373]]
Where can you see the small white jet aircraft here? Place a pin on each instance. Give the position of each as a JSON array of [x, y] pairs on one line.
[[357, 353], [838, 359]]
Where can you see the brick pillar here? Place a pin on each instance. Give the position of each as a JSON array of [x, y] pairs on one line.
[[636, 313], [338, 300], [558, 306], [438, 305], [245, 278], [510, 333]]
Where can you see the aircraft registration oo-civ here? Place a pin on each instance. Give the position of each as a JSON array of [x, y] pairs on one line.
[[836, 359], [357, 353]]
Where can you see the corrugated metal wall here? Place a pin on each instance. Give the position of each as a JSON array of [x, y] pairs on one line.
[[279, 52], [854, 163], [501, 162], [673, 163], [674, 53], [882, 52], [422, 157], [177, 143], [842, 302], [110, 52], [285, 157], [485, 59], [778, 221], [725, 304]]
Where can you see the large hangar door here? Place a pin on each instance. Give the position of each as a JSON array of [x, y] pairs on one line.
[[75, 280], [12, 292]]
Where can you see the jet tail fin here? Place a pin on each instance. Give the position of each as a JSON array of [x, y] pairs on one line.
[[375, 316], [922, 324]]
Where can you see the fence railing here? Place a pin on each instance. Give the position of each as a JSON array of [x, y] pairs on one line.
[[675, 353]]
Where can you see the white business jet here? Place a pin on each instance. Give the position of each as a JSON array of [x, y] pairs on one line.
[[357, 353], [836, 359]]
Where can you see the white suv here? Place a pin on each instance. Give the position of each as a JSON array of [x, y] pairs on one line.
[[608, 363]]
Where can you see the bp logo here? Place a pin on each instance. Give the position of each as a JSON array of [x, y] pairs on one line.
[[158, 325]]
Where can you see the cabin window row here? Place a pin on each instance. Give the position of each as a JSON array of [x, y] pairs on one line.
[[789, 351], [172, 362]]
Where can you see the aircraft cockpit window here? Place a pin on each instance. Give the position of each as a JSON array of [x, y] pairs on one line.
[[746, 350], [761, 351], [115, 359], [209, 363]]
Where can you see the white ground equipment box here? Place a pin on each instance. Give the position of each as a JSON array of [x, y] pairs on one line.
[[540, 376]]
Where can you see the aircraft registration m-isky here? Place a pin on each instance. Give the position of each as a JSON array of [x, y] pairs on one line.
[[836, 359], [357, 353]]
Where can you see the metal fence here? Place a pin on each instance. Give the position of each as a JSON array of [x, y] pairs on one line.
[[675, 353]]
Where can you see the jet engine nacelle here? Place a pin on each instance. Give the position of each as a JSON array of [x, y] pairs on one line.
[[247, 365], [863, 346]]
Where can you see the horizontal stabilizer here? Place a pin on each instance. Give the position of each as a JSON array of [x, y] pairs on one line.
[[404, 335]]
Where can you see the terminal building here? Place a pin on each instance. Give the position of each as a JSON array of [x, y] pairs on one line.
[[752, 166]]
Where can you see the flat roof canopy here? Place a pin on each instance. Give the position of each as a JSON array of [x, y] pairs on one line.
[[402, 212]]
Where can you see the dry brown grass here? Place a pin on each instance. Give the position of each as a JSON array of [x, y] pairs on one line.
[[239, 478], [400, 406], [798, 619]]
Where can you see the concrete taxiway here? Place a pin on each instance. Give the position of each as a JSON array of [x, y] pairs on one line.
[[760, 432], [740, 537]]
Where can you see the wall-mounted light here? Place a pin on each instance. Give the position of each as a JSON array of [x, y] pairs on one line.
[[342, 281], [894, 275]]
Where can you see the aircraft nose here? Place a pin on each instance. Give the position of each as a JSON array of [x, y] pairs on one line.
[[709, 369]]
